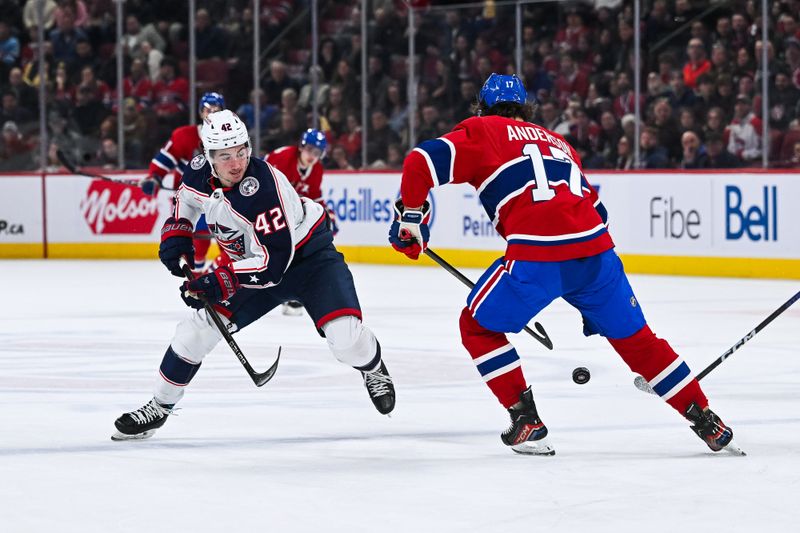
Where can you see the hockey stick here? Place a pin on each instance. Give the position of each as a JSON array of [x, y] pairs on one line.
[[644, 386], [74, 169], [541, 336], [258, 379]]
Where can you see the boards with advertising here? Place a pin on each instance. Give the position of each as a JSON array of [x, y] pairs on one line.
[[21, 216], [680, 222]]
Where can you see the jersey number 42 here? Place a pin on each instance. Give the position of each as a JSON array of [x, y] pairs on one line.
[[263, 223]]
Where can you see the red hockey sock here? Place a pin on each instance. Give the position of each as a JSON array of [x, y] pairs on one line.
[[496, 359], [201, 241], [658, 363]]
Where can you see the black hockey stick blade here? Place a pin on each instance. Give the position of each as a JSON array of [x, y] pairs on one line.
[[541, 336], [544, 337], [261, 379], [640, 383]]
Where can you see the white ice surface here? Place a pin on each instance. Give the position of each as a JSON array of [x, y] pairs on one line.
[[80, 343]]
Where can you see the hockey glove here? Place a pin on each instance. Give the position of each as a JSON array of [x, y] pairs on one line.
[[150, 185], [190, 299], [212, 287], [409, 233], [176, 242]]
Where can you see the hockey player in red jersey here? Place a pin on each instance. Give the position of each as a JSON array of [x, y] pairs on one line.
[[281, 249], [530, 183], [175, 156], [302, 165]]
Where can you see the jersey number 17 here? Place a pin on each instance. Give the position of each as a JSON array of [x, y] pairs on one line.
[[542, 191]]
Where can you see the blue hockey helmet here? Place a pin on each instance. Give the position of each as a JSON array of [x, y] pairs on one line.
[[503, 88], [209, 100], [314, 138]]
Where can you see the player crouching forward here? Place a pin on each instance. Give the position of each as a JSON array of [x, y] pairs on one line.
[[281, 249], [530, 183]]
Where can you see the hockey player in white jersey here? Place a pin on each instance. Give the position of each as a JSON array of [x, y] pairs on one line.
[[281, 249]]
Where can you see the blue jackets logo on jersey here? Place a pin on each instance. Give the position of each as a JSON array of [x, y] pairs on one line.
[[249, 186], [234, 248], [197, 162], [222, 232]]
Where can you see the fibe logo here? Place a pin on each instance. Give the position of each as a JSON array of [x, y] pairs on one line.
[[758, 221], [672, 222]]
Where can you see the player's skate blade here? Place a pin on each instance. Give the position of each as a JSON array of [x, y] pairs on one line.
[[536, 447], [139, 436], [733, 449]]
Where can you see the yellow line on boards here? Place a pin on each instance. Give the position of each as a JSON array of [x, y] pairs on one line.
[[735, 267], [21, 250], [97, 250], [739, 267]]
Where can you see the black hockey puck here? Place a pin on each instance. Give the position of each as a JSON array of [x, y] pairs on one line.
[[581, 375]]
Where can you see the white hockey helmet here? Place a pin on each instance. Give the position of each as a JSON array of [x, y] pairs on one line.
[[220, 130]]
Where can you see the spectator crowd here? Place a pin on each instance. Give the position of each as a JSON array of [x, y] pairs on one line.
[[701, 99]]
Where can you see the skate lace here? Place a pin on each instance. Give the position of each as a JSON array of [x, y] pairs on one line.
[[148, 413], [517, 421], [377, 383], [714, 429]]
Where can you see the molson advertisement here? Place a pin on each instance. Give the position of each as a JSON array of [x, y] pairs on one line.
[[99, 218], [114, 208]]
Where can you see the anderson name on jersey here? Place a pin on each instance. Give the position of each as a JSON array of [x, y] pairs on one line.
[[529, 182], [260, 222]]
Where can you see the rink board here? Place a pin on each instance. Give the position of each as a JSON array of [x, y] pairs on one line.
[[690, 223]]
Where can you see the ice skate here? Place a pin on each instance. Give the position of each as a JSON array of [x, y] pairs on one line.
[[712, 430], [527, 433], [292, 308], [143, 422], [380, 388]]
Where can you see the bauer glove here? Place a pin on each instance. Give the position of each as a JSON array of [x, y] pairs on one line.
[[212, 287], [409, 233], [176, 242]]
